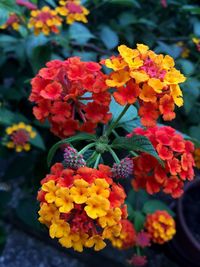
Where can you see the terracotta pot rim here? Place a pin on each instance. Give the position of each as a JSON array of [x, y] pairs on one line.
[[188, 233]]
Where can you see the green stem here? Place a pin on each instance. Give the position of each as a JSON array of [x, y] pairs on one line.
[[138, 251], [83, 150], [114, 124], [97, 161], [114, 155], [115, 133], [133, 153]]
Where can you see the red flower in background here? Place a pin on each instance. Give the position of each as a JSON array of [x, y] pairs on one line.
[[59, 92], [176, 154]]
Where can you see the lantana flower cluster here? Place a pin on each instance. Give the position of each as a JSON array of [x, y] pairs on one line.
[[177, 156], [83, 207], [160, 226], [59, 91], [18, 137], [13, 21], [73, 11], [47, 20], [140, 74]]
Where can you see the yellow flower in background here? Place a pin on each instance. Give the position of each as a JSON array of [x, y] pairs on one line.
[[45, 20], [196, 41], [19, 136], [161, 226], [73, 11], [13, 21], [185, 51]]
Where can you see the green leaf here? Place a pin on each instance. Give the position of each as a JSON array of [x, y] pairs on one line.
[[80, 33], [37, 141], [139, 220], [27, 212], [136, 143], [191, 92], [194, 131], [134, 3], [131, 212], [187, 66], [197, 28], [109, 37], [130, 125], [78, 137], [6, 116], [51, 3], [40, 55], [153, 205], [116, 109]]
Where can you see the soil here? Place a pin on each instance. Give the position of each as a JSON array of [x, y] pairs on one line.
[[191, 204]]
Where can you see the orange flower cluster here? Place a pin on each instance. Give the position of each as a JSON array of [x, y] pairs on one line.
[[59, 90], [82, 207], [13, 21], [197, 157], [45, 20], [127, 237], [161, 226], [177, 155], [73, 11], [140, 74]]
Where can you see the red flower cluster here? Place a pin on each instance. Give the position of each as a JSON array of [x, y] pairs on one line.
[[176, 154], [59, 91]]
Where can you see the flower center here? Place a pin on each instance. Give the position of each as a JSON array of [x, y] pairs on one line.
[[44, 16], [152, 69], [74, 8], [20, 137]]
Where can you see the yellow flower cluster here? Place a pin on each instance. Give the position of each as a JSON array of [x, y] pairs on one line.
[[141, 74], [18, 136], [45, 21], [197, 157], [155, 72], [73, 11], [161, 226], [13, 21], [80, 214], [185, 52]]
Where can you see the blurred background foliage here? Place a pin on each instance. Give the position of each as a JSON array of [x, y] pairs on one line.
[[166, 26]]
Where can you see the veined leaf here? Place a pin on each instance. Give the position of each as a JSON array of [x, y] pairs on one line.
[[136, 143]]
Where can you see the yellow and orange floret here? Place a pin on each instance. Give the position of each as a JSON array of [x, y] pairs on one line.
[[13, 21], [73, 11], [161, 226], [45, 20], [82, 208], [19, 136], [141, 74]]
